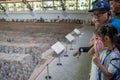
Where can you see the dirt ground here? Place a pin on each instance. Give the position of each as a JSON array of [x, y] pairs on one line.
[[36, 27], [54, 29]]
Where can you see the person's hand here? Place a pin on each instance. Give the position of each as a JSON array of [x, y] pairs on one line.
[[96, 60], [98, 46], [75, 53]]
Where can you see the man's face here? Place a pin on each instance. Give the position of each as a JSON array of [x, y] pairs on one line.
[[115, 6], [100, 16]]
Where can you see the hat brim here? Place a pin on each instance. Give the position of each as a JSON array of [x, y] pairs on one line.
[[96, 9]]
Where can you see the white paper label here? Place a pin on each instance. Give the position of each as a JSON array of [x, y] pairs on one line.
[[58, 47], [76, 31], [69, 37]]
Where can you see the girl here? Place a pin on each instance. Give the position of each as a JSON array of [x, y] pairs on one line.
[[107, 34]]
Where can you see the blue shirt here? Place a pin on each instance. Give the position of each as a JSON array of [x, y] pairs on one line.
[[116, 23]]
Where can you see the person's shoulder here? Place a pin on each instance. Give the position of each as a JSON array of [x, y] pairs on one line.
[[115, 54], [115, 19], [115, 22]]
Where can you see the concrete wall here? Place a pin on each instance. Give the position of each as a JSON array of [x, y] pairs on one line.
[[47, 15]]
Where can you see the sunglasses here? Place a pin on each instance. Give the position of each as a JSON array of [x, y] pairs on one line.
[[98, 14]]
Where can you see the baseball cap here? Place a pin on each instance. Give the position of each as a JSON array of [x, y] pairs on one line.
[[100, 5]]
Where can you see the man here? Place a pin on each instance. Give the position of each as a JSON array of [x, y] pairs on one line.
[[101, 14], [115, 8]]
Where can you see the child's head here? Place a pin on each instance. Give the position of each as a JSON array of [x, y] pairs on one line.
[[108, 34]]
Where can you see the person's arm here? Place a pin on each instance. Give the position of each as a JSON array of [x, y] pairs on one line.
[[91, 51], [75, 53], [102, 68], [82, 49], [91, 41], [86, 49]]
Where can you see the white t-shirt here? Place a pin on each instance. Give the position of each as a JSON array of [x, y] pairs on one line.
[[107, 63]]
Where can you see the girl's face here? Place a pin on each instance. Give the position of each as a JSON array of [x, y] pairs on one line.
[[102, 40], [105, 40]]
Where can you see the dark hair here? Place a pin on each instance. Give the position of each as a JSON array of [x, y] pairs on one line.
[[113, 0], [109, 30], [117, 41]]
